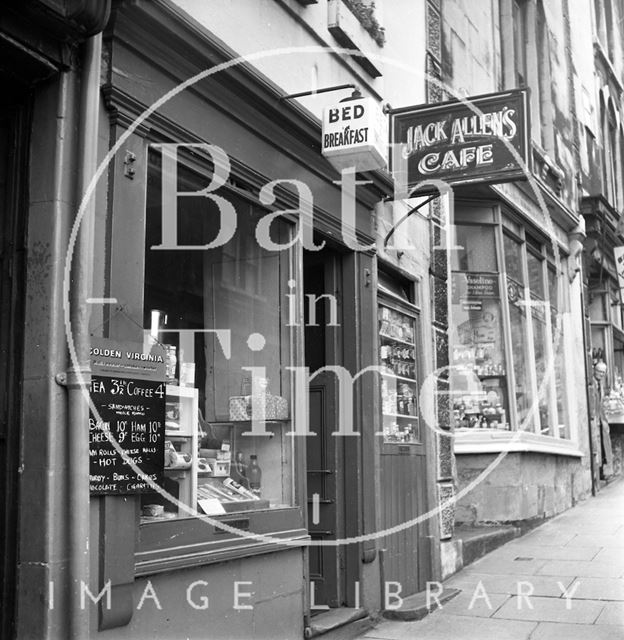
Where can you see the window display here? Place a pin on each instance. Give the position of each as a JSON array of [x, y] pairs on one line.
[[218, 311], [502, 345], [399, 392], [478, 370]]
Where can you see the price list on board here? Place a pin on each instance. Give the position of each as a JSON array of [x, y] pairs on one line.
[[126, 421]]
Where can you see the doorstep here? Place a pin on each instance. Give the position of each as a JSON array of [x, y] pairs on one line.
[[342, 623], [420, 604], [477, 541]]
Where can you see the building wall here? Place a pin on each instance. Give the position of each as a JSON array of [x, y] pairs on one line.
[[478, 49], [202, 603], [526, 487], [280, 30]]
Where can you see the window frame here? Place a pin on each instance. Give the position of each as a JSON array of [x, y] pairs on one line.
[[561, 437], [198, 539]]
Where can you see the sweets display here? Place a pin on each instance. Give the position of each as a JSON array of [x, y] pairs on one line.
[[397, 354]]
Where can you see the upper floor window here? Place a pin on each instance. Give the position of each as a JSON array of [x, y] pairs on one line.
[[607, 17], [526, 53], [519, 21]]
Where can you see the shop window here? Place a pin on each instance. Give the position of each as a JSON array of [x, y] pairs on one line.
[[558, 349], [212, 463], [597, 306], [478, 371], [506, 347], [513, 252], [475, 249], [398, 353]]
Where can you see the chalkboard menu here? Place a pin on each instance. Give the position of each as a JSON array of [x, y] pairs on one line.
[[130, 405]]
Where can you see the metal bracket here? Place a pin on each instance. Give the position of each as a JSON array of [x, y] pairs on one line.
[[61, 379], [313, 92], [129, 162]]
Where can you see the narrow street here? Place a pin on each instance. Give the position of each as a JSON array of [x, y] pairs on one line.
[[517, 591]]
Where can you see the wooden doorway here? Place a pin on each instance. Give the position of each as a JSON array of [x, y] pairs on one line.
[[407, 553], [325, 472]]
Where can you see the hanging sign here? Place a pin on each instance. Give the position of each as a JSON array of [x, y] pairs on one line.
[[355, 134], [128, 390], [462, 142]]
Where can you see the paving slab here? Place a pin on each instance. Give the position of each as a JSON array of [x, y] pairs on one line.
[[544, 552], [553, 631], [439, 626], [598, 589], [586, 540], [586, 526], [542, 609], [613, 613], [494, 563], [511, 585], [610, 554], [477, 603], [548, 539], [581, 569], [580, 554]]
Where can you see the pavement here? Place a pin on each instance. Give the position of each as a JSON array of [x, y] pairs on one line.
[[562, 581]]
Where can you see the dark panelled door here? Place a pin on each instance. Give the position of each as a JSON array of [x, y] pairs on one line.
[[324, 474], [13, 169]]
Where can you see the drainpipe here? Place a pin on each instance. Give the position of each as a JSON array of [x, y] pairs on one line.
[[79, 374]]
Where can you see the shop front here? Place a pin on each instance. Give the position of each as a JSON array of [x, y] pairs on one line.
[[603, 262], [515, 333], [267, 317], [517, 339]]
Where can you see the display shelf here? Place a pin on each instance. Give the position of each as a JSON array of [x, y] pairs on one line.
[[398, 385], [394, 376], [387, 337], [182, 410]]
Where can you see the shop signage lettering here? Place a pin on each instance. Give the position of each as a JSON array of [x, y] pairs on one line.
[[128, 391], [463, 143], [355, 135], [472, 288]]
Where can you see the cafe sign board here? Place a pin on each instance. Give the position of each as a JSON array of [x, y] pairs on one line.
[[128, 391], [355, 134], [462, 142]]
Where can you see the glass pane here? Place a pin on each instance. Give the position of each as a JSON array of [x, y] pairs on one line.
[[536, 275], [519, 342], [478, 249], [553, 288], [598, 342], [544, 381], [562, 405], [597, 309], [212, 464], [478, 375], [399, 390], [616, 309], [513, 258]]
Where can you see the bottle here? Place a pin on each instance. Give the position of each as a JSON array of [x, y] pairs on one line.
[[239, 470], [254, 474]]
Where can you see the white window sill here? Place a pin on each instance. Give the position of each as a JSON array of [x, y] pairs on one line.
[[493, 441]]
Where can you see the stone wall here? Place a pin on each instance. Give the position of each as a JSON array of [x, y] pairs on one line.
[[523, 487]]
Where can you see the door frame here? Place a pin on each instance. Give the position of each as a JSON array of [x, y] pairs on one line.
[[331, 260], [12, 286]]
